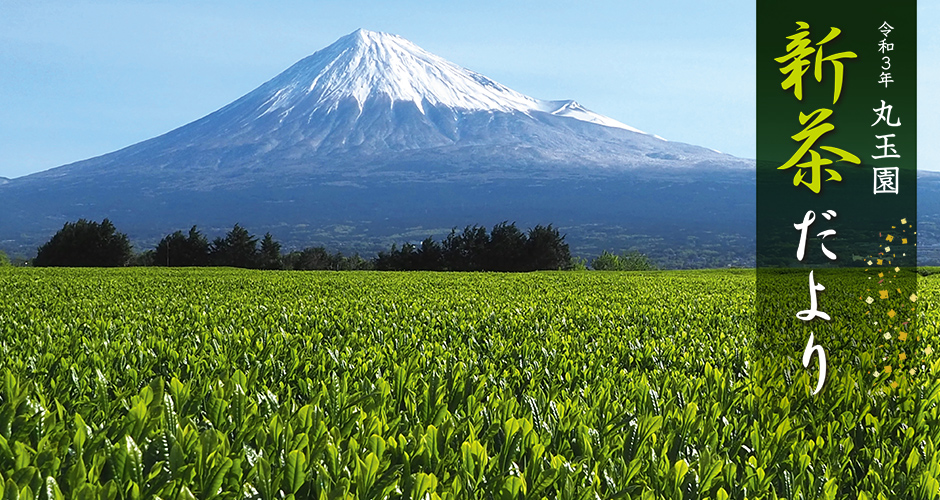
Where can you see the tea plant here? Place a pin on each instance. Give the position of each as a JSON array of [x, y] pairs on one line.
[[143, 383]]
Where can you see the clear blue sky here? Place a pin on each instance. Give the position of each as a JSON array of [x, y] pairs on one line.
[[83, 78]]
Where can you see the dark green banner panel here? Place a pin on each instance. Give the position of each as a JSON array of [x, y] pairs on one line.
[[836, 199]]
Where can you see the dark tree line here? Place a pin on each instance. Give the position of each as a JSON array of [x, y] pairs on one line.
[[318, 258], [505, 248], [239, 248], [85, 244], [177, 250]]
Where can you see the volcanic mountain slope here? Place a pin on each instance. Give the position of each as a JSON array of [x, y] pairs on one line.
[[373, 138]]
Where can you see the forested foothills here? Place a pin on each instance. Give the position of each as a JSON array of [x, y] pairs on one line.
[[227, 383], [505, 248]]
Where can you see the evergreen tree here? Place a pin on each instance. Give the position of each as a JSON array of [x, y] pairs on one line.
[[238, 249], [171, 251], [270, 253], [389, 261], [198, 247], [176, 250], [466, 251], [85, 244], [506, 248], [430, 255], [310, 259], [546, 249]]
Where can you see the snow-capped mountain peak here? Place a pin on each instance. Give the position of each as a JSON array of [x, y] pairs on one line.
[[368, 64], [379, 136]]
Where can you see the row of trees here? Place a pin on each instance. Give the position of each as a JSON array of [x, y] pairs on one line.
[[504, 248], [239, 248]]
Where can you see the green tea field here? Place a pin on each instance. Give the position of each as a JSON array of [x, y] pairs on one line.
[[180, 384]]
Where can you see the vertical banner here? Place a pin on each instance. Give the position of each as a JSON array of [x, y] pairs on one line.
[[836, 197]]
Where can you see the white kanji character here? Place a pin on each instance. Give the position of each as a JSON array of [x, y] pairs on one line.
[[884, 114]]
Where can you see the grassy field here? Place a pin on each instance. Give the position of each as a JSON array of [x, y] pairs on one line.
[[144, 383]]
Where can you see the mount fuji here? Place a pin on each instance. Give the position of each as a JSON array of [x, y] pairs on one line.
[[372, 140]]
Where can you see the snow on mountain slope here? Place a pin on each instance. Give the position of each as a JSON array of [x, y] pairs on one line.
[[574, 110], [374, 102], [366, 64]]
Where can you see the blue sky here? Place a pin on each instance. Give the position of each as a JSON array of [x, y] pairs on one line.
[[84, 78]]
